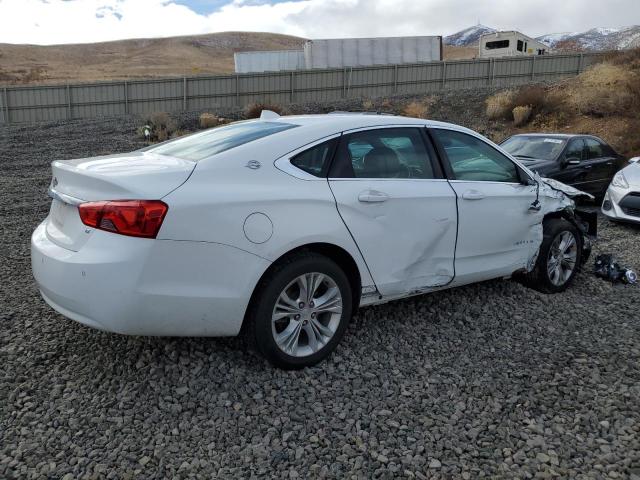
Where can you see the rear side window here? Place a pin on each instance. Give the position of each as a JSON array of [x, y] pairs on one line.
[[384, 153], [202, 145], [520, 46], [316, 160], [474, 160]]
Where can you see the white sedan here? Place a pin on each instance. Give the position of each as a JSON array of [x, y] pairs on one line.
[[282, 227], [622, 200]]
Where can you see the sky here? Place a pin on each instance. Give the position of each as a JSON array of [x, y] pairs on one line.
[[48, 22]]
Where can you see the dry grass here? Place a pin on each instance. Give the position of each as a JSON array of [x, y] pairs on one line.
[[521, 115], [605, 89], [209, 120], [367, 104], [419, 109], [500, 105], [254, 110]]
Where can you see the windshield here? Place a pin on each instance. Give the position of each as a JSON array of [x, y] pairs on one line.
[[528, 147], [205, 144]]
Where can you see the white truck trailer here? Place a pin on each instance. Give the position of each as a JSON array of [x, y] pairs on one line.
[[509, 44], [344, 53]]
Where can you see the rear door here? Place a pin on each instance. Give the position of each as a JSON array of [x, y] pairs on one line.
[[392, 196], [497, 231], [600, 164]]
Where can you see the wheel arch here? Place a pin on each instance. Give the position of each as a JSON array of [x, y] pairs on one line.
[[334, 252]]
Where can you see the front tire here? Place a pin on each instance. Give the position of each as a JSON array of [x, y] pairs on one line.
[[559, 257], [300, 311]]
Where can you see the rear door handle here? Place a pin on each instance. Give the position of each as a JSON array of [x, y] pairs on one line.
[[473, 195], [373, 196]]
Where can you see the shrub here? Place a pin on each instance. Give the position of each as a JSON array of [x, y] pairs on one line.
[[500, 105], [254, 110], [419, 109], [521, 115], [367, 104], [533, 96], [160, 125], [208, 120]]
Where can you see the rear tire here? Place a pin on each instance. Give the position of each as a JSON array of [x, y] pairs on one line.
[[300, 311], [559, 257]]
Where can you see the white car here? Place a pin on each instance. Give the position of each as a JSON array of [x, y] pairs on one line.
[[282, 227], [622, 200]]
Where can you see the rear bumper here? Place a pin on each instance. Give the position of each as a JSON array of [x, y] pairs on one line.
[[147, 287], [611, 205]]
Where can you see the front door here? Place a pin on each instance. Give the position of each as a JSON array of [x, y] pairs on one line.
[[498, 232], [391, 194]]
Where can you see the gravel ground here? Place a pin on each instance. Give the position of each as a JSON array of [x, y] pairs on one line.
[[491, 380]]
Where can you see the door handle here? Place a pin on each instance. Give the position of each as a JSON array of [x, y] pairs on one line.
[[373, 196], [473, 195]]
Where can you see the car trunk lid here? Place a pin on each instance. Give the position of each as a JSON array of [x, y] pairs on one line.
[[131, 176]]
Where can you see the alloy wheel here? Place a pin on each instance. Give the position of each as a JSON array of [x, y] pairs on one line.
[[562, 258], [307, 314]]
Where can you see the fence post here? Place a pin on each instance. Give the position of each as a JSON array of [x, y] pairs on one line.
[[490, 73], [533, 67], [395, 79], [344, 82], [237, 91], [68, 102], [292, 80], [184, 94], [6, 106], [126, 97], [580, 63], [444, 74]]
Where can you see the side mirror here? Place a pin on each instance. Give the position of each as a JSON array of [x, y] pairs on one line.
[[634, 160]]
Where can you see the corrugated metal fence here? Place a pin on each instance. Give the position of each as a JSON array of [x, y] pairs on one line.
[[59, 102]]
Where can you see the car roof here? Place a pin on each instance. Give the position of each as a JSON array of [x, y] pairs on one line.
[[555, 135], [341, 121]]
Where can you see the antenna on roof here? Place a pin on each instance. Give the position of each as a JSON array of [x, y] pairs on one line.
[[268, 115]]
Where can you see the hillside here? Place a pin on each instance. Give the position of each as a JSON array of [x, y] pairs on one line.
[[131, 59]]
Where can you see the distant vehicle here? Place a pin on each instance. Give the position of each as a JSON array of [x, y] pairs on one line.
[[622, 200], [509, 44], [582, 161], [281, 227]]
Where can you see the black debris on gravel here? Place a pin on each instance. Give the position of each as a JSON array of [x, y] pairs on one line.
[[491, 380]]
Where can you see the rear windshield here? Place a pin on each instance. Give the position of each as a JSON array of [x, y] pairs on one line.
[[540, 148], [205, 144]]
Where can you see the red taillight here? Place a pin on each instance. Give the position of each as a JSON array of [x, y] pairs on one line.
[[136, 218]]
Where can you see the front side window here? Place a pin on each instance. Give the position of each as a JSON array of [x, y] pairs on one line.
[[593, 149], [474, 160], [497, 44], [574, 150], [216, 140], [534, 147], [384, 153], [315, 160]]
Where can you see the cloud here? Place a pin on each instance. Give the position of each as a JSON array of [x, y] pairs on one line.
[[76, 21]]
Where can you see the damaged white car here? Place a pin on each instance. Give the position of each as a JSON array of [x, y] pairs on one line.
[[282, 227]]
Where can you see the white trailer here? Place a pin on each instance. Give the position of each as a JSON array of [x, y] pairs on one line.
[[342, 53], [510, 44], [269, 61], [364, 52]]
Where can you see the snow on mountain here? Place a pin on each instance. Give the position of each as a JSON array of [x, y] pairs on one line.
[[468, 36], [595, 39]]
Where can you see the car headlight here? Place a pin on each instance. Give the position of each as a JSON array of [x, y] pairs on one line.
[[620, 181]]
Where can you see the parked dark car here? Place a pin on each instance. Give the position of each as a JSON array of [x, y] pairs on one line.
[[583, 161]]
